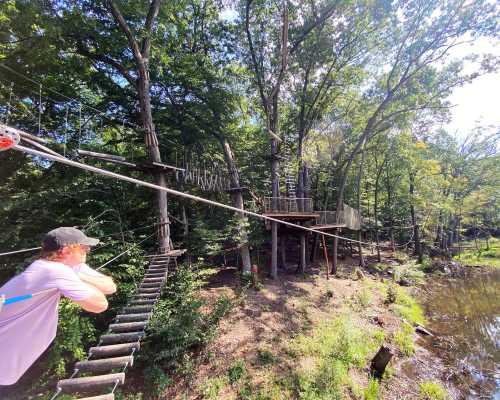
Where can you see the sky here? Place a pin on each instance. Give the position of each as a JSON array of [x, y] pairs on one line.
[[476, 103]]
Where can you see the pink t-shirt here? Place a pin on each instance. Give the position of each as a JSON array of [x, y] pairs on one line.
[[28, 327]]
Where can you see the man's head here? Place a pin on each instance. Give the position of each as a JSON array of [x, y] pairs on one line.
[[67, 245]]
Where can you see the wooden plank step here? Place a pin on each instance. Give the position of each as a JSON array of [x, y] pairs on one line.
[[118, 338], [137, 309], [156, 285], [161, 275], [143, 296], [114, 350], [162, 271], [109, 396], [149, 290], [105, 364], [143, 302], [87, 383], [151, 280], [127, 326], [132, 317]]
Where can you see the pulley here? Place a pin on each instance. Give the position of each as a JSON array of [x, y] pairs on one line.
[[8, 138]]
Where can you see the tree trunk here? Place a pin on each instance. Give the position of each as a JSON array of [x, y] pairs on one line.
[[152, 146], [358, 205], [416, 232], [237, 198], [274, 188]]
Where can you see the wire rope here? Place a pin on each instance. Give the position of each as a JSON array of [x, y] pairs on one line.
[[174, 192], [99, 237]]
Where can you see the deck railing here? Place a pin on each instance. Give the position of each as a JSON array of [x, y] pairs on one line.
[[350, 217], [288, 205]]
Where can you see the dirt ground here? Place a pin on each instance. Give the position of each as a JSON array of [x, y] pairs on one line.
[[269, 318]]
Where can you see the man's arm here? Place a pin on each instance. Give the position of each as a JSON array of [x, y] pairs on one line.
[[101, 282], [94, 304]]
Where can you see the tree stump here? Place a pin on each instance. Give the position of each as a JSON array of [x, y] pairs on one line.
[[380, 361]]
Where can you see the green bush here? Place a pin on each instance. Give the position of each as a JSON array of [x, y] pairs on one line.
[[430, 390], [236, 371], [371, 391], [179, 325], [403, 338]]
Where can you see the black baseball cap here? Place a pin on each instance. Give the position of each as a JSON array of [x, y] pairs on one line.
[[57, 238]]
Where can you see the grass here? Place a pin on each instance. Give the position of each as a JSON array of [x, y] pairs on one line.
[[484, 257], [407, 307], [372, 390], [213, 386], [364, 296], [430, 390], [236, 371], [265, 357], [403, 338], [327, 355]]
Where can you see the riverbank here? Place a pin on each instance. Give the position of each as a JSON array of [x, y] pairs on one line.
[[309, 338]]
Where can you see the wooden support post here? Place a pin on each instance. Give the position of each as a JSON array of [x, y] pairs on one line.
[[274, 250], [334, 253], [314, 249], [283, 251], [325, 252], [302, 262]]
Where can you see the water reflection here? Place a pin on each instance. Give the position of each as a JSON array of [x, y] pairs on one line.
[[465, 314]]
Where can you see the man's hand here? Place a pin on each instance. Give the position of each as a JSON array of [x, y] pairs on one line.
[[103, 283]]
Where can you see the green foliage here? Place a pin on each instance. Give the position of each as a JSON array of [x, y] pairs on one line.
[[408, 307], [330, 351], [236, 371], [430, 390], [364, 296], [403, 338], [372, 390], [265, 357], [179, 324], [410, 272], [156, 381], [212, 387], [487, 256]]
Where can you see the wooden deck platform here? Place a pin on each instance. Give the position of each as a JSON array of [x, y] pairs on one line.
[[328, 227], [294, 216]]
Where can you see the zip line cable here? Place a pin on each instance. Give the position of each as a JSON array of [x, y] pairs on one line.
[[173, 191], [100, 237], [11, 300]]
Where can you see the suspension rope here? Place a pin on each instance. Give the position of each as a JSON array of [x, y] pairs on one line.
[[100, 237], [11, 300], [125, 252], [175, 192]]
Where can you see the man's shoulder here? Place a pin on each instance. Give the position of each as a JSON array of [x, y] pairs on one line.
[[47, 266]]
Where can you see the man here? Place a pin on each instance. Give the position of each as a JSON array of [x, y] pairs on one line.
[[28, 327]]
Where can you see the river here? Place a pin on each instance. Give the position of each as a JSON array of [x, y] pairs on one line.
[[464, 313]]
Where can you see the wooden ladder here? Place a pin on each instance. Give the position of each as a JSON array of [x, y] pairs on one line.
[[116, 348]]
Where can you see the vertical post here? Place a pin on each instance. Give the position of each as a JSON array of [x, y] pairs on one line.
[[274, 250], [302, 262], [283, 251], [334, 253], [325, 253]]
